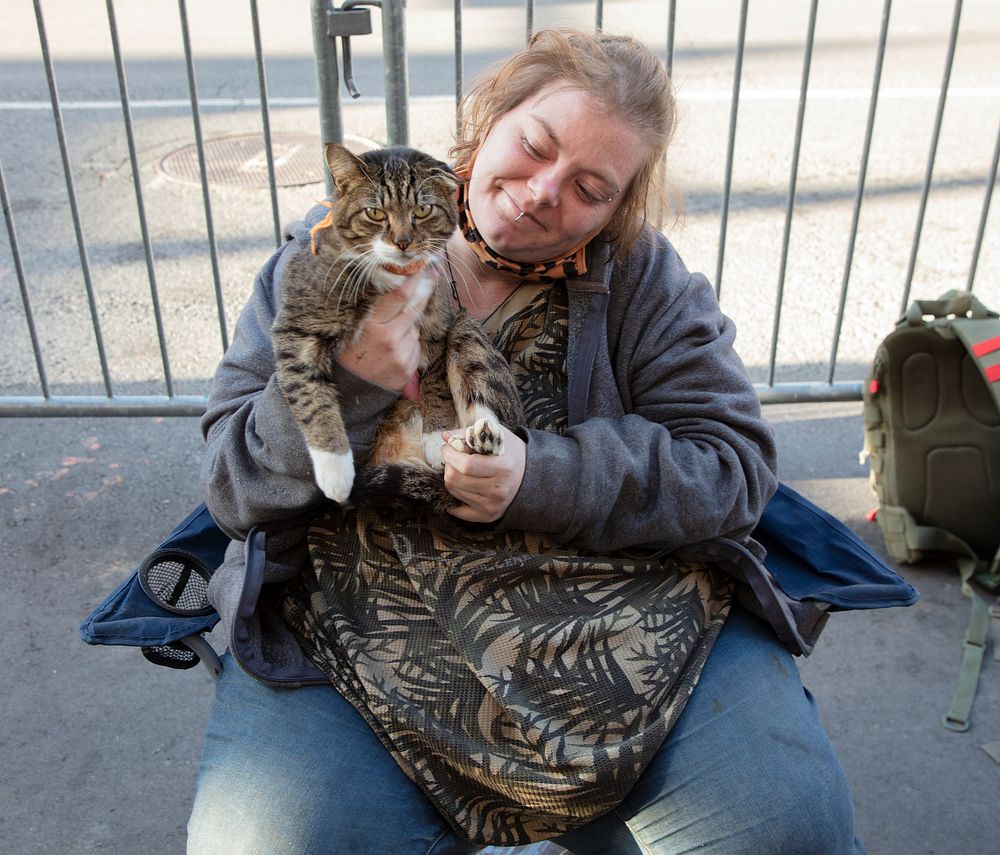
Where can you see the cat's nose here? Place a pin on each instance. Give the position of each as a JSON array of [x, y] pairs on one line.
[[403, 241]]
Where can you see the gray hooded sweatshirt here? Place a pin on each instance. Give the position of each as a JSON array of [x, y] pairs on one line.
[[666, 447]]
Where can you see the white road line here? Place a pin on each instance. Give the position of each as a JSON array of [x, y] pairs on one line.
[[846, 94]]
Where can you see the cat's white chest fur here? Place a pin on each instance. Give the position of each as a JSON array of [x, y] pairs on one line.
[[385, 280]]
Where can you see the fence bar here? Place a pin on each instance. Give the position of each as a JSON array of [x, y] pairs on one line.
[[265, 116], [206, 196], [733, 111], [140, 204], [859, 195], [671, 29], [85, 406], [529, 20], [990, 181], [599, 16], [796, 393], [22, 282], [942, 98], [71, 193], [397, 87], [459, 65], [786, 240], [331, 127]]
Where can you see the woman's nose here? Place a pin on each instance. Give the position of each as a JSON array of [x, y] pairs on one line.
[[544, 187]]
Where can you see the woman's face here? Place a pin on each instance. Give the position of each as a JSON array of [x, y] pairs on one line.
[[552, 171]]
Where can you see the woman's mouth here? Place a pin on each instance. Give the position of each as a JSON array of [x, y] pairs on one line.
[[519, 215]]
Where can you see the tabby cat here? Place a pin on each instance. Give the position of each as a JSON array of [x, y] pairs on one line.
[[393, 211]]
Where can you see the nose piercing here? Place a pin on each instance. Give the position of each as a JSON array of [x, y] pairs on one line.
[[518, 216]]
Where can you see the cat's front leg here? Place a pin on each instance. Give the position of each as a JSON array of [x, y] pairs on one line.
[[482, 388], [304, 373]]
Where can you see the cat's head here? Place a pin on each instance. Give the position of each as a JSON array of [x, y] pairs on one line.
[[398, 204]]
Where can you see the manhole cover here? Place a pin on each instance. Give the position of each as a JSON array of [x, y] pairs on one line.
[[241, 161]]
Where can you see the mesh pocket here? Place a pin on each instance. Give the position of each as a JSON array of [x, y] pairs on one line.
[[177, 581], [174, 655]]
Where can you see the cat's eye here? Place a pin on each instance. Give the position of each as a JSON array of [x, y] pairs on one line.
[[422, 211], [376, 214]]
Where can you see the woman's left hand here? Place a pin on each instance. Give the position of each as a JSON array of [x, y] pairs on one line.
[[485, 484]]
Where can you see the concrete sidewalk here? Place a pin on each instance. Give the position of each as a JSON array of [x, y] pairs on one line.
[[101, 748]]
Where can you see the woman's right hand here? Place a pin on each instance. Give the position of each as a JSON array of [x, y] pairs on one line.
[[387, 352]]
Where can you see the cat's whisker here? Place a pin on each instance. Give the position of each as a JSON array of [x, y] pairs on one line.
[[347, 272], [356, 287], [358, 273], [371, 261], [334, 286], [355, 275]]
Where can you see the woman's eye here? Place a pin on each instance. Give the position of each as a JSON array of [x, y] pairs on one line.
[[530, 149], [591, 197], [376, 214], [422, 211]]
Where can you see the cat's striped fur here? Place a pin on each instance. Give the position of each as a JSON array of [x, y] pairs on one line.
[[392, 212]]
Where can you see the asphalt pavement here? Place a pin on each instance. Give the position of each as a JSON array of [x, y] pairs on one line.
[[101, 747]]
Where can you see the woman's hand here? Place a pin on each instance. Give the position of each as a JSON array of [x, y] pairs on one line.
[[484, 483], [388, 350]]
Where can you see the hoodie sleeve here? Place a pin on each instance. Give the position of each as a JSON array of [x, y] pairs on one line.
[[256, 467], [692, 458]]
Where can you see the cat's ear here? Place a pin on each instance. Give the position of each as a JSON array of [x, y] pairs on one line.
[[448, 179], [345, 167]]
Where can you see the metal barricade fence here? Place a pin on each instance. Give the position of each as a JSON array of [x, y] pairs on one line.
[[741, 222]]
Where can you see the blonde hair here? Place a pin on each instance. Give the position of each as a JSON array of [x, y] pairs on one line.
[[627, 79]]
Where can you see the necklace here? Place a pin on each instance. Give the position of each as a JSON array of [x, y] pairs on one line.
[[454, 290]]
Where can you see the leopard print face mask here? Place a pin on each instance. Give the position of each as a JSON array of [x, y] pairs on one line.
[[574, 263]]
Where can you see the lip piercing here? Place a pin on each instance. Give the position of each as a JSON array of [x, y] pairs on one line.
[[518, 216]]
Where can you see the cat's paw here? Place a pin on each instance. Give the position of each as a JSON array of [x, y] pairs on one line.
[[334, 473], [484, 437], [432, 444]]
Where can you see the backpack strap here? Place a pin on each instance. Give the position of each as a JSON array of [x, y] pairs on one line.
[[959, 303], [907, 540], [982, 584], [957, 718], [981, 338], [974, 325]]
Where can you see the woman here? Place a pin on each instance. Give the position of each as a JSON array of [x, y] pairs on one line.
[[644, 431]]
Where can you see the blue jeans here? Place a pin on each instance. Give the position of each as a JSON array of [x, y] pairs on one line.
[[747, 769]]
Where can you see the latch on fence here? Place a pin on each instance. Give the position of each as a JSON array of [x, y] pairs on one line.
[[351, 19], [343, 23]]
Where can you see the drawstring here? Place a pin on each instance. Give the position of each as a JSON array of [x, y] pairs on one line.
[[451, 279]]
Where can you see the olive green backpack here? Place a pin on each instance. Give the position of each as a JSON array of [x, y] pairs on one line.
[[932, 430]]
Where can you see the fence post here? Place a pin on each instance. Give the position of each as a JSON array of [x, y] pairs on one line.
[[397, 87], [331, 126]]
